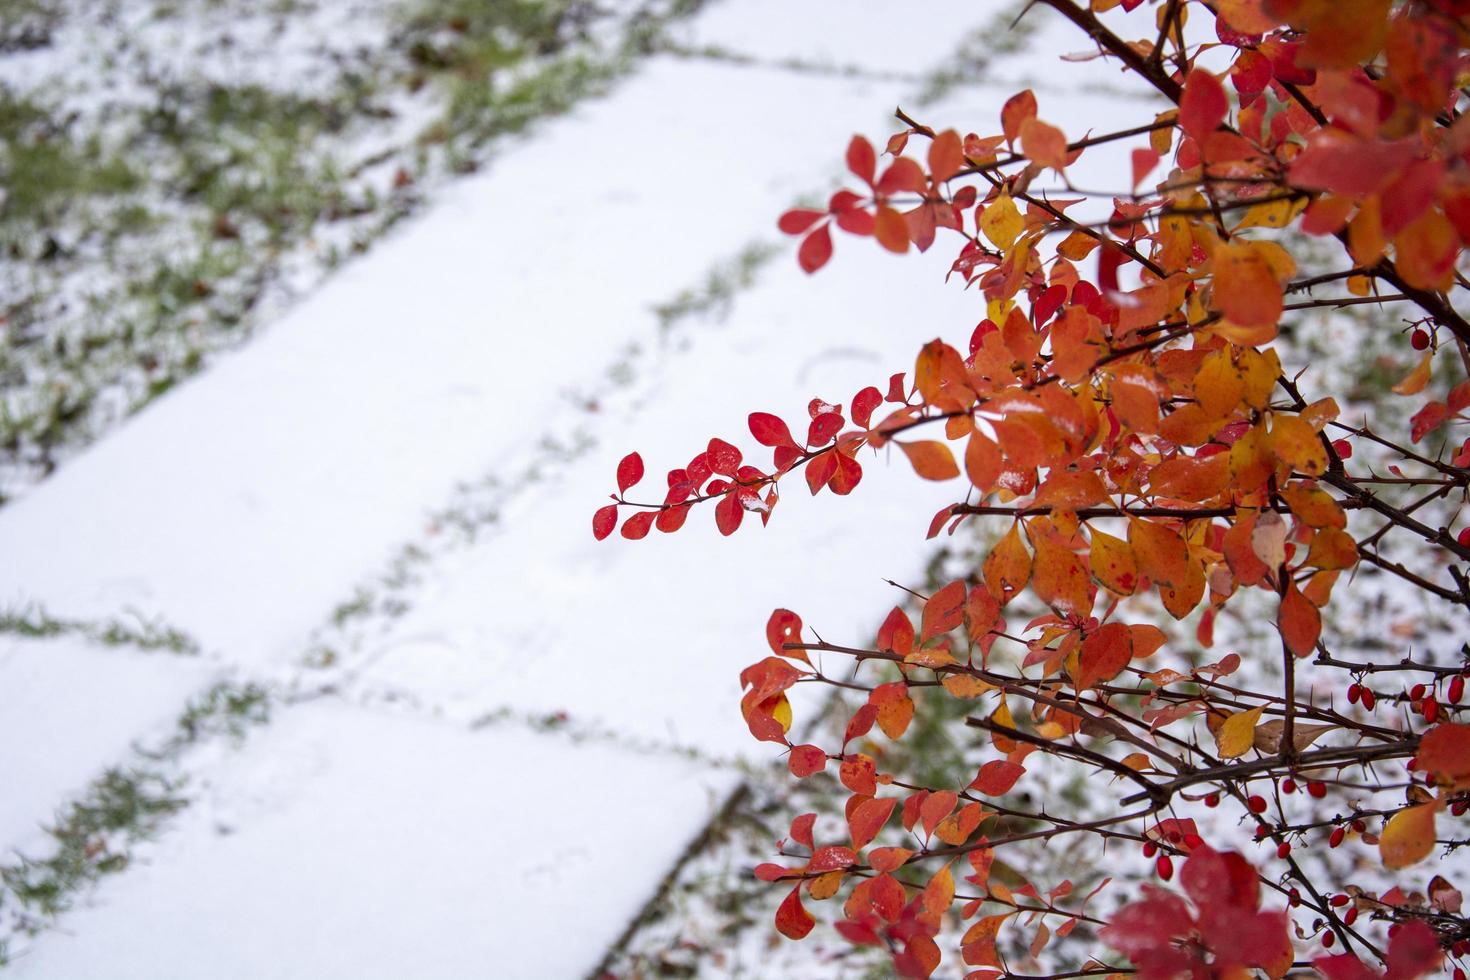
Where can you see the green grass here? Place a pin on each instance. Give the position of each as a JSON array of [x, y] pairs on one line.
[[147, 234]]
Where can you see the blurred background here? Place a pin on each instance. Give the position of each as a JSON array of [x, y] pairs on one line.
[[323, 324]]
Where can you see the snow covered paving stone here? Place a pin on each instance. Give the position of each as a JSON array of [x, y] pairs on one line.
[[345, 843], [70, 708]]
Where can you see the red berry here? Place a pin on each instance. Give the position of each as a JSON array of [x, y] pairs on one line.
[[1369, 698], [1429, 708], [1350, 918], [1288, 785], [1457, 686], [1316, 790], [1262, 832], [1339, 900], [1283, 850], [1150, 849], [1359, 826], [1328, 938], [1213, 800], [1353, 691], [1294, 897], [1337, 835], [1164, 867], [1419, 339], [1464, 537], [1416, 693], [1412, 764], [1257, 804], [1343, 447], [1459, 974], [1459, 807]]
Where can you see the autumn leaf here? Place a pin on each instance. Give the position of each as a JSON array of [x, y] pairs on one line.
[[1237, 735], [997, 777], [1300, 621], [1408, 836], [792, 919], [931, 460]]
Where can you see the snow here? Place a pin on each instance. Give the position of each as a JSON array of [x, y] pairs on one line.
[[71, 708], [350, 844], [379, 826]]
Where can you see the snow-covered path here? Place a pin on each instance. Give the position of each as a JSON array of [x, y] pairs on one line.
[[490, 735]]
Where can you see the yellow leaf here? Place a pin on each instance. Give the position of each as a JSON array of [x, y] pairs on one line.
[[1408, 837], [1002, 222], [1416, 380], [964, 686], [782, 713], [1238, 733]]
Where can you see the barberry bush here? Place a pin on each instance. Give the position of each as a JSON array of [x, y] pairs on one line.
[[1121, 422]]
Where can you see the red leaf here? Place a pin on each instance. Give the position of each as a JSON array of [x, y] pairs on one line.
[[784, 627], [820, 470], [792, 919], [902, 174], [867, 818], [861, 159], [1413, 951], [723, 457], [944, 611], [1144, 160], [896, 635], [997, 777], [815, 250], [863, 404], [637, 526], [604, 521], [1204, 104], [728, 515], [849, 473], [801, 829], [630, 471], [832, 858], [770, 430], [798, 220], [805, 760]]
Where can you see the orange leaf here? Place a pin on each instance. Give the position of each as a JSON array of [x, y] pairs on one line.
[[1445, 752], [891, 230], [1007, 569], [886, 859], [1017, 110], [895, 708], [1105, 652], [866, 819], [1246, 289], [1060, 578], [982, 462], [931, 460], [1044, 144], [1300, 621], [1160, 552]]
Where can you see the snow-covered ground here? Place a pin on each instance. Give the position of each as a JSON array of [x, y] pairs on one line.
[[488, 737]]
